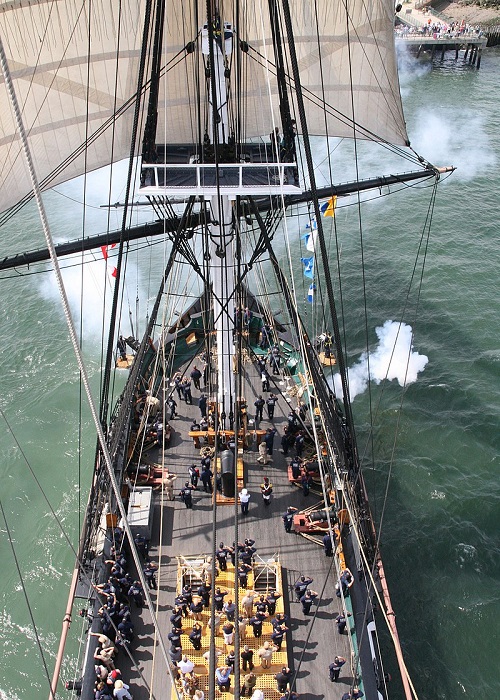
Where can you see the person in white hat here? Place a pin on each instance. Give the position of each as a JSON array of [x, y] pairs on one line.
[[244, 498], [121, 691]]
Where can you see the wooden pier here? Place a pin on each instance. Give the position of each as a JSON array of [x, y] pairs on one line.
[[471, 46], [419, 18]]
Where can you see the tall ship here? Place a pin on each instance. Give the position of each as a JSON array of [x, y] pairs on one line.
[[228, 547]]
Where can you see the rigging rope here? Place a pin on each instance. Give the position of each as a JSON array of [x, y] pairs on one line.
[[72, 331], [25, 593]]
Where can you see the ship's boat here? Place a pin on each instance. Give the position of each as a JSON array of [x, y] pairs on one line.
[[229, 117]]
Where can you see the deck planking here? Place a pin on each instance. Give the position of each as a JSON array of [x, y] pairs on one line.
[[312, 641]]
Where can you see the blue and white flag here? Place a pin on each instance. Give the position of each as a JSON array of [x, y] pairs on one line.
[[310, 240], [310, 293], [308, 267]]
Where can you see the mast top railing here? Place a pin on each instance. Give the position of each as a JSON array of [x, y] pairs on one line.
[[208, 178]]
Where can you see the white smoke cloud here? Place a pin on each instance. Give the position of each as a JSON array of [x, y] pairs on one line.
[[446, 135], [410, 68], [393, 358], [89, 288]]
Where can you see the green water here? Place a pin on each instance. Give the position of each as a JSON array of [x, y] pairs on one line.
[[440, 523]]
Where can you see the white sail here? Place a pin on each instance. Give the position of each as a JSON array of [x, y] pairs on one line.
[[346, 60], [74, 66]]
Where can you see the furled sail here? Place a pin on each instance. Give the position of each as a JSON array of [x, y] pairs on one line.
[[74, 65]]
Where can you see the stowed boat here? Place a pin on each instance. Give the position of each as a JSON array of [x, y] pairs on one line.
[[224, 110]]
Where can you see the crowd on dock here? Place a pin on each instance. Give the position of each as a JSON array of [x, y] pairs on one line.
[[436, 29]]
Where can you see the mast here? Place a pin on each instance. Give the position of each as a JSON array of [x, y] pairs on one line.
[[217, 45]]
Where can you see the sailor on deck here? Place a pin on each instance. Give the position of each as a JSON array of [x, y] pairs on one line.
[[122, 348], [301, 586]]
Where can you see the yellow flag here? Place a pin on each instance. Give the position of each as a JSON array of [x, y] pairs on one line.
[[329, 207]]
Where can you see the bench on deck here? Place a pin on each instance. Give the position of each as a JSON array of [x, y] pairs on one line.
[[207, 437]]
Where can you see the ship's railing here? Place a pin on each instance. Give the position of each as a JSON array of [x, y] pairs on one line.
[[156, 178], [346, 453]]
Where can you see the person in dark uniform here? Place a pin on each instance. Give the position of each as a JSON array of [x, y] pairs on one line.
[[290, 695], [270, 404], [257, 621], [202, 405], [175, 637], [195, 636], [288, 518], [275, 139], [335, 668], [122, 348], [222, 555], [136, 592], [247, 658], [176, 617], [286, 440], [172, 406], [299, 444], [219, 599], [295, 465], [307, 600], [271, 600], [301, 586], [283, 679], [196, 376], [341, 622], [186, 495], [274, 359], [277, 636], [269, 440], [204, 590], [354, 694], [305, 482], [206, 479], [194, 475], [327, 545], [150, 570], [247, 318], [186, 390], [178, 388], [259, 406], [243, 570]]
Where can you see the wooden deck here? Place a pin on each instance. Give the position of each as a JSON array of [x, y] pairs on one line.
[[313, 640]]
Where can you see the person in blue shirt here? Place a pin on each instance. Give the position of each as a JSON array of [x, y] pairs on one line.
[[301, 586], [307, 600], [223, 677], [335, 668]]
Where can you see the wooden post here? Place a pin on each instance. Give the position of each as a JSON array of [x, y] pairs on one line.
[[457, 46], [466, 51], [442, 51], [419, 50], [480, 51]]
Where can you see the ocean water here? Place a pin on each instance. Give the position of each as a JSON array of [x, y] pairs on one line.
[[439, 514]]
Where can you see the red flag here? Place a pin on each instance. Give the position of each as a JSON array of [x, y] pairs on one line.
[[104, 249]]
